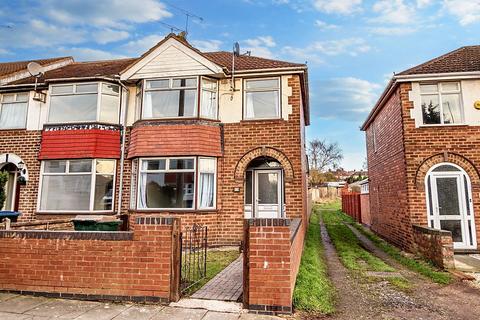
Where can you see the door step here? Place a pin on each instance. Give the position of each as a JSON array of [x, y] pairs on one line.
[[210, 305]]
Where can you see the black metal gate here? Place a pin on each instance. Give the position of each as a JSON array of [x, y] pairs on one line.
[[193, 262]]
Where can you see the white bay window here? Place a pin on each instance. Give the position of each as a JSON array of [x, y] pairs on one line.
[[170, 183], [13, 110], [84, 102], [262, 99], [77, 185]]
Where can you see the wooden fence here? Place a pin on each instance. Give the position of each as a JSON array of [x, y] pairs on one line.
[[351, 205]]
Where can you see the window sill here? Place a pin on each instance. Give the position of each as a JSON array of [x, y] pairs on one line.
[[444, 125], [13, 129], [75, 213], [173, 211], [263, 120]]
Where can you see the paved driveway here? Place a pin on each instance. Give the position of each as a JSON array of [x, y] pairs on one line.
[[18, 307]]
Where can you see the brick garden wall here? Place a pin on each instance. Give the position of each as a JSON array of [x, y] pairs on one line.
[[271, 262], [434, 245], [94, 265]]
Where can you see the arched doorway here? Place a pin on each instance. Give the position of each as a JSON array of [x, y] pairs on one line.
[[449, 203], [264, 189], [12, 188]]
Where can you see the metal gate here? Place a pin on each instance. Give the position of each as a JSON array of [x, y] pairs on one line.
[[193, 261]]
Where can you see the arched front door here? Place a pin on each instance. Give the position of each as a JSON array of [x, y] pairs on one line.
[[449, 204]]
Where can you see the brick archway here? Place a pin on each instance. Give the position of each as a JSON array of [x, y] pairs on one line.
[[454, 158], [265, 152]]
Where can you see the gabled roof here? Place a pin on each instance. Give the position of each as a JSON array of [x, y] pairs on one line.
[[464, 59], [7, 69]]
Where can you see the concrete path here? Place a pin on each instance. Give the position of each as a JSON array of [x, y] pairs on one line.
[[18, 307], [225, 286]]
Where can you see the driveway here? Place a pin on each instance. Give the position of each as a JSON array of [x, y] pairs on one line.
[[19, 307]]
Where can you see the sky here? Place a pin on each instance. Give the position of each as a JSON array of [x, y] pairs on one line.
[[352, 47]]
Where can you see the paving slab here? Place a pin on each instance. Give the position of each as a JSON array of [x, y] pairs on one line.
[[172, 313], [210, 305], [14, 316], [104, 312], [63, 309], [252, 316], [467, 263], [21, 304], [5, 296], [212, 315], [139, 312]]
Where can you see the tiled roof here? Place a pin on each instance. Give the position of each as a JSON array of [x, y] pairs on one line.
[[224, 59], [464, 59], [8, 68], [105, 68]]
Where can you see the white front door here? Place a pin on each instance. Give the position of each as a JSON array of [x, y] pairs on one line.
[[451, 208], [268, 193]]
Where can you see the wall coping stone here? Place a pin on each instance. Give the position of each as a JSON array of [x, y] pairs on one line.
[[269, 222], [67, 235], [428, 230]]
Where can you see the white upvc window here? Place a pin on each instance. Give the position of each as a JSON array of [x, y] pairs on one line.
[[13, 110], [84, 102], [209, 99], [441, 103], [171, 183], [170, 98], [262, 98], [80, 185]]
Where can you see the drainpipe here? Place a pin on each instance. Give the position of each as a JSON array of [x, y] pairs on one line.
[[122, 148]]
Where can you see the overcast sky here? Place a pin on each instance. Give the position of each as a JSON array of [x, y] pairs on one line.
[[352, 47]]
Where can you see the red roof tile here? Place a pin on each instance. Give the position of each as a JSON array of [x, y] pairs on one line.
[[464, 59], [8, 68], [224, 59]]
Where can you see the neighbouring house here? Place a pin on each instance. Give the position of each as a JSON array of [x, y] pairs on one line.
[[209, 138], [423, 157]]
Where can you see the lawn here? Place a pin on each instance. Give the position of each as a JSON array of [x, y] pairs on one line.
[[216, 261], [420, 266], [314, 291]]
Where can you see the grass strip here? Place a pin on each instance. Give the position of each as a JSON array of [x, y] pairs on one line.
[[314, 292], [420, 266]]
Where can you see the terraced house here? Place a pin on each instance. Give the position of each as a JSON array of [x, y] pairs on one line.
[[210, 137], [423, 157]]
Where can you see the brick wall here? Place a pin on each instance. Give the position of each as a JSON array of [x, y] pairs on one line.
[[387, 174], [434, 245], [94, 265], [271, 261], [26, 145]]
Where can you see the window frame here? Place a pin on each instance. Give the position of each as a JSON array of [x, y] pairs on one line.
[[196, 172], [200, 95], [93, 176], [99, 94], [439, 94], [144, 90], [15, 94], [244, 97]]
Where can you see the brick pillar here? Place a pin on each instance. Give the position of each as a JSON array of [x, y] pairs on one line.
[[268, 287]]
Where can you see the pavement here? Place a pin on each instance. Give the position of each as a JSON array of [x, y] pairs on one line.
[[21, 307]]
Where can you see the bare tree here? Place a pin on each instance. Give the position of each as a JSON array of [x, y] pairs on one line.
[[324, 155]]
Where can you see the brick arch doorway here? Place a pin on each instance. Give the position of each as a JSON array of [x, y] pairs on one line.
[[264, 188], [17, 172]]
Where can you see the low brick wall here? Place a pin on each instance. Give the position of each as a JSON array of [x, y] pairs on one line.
[[273, 249], [434, 245], [136, 266]]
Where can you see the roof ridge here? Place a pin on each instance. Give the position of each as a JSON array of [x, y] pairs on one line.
[[106, 60], [38, 59], [443, 56]]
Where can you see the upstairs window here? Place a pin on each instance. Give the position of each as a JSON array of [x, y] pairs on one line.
[[13, 110], [441, 103], [77, 185], [170, 98], [84, 102], [262, 99], [209, 102]]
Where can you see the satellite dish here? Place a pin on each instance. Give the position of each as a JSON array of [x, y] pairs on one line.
[[34, 69], [236, 49]]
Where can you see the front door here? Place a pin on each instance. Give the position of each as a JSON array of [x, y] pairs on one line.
[[452, 211], [268, 193]]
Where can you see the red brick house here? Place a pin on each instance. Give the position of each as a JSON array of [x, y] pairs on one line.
[[423, 156], [174, 132]]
